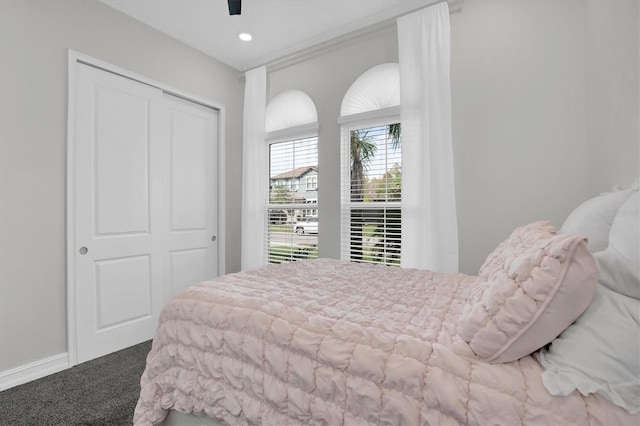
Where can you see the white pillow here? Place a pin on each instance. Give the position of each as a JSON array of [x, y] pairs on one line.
[[599, 352], [619, 262], [594, 217]]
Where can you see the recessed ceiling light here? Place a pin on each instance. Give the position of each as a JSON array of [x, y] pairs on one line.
[[245, 36]]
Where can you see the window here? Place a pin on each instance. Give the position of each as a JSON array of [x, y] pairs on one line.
[[312, 183], [372, 167], [291, 123], [371, 192], [293, 227]]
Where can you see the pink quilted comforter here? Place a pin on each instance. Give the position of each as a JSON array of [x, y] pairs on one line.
[[331, 342]]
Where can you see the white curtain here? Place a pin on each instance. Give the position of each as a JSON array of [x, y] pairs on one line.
[[254, 153], [429, 220]]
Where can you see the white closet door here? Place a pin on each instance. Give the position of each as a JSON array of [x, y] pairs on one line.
[[118, 212], [190, 132]]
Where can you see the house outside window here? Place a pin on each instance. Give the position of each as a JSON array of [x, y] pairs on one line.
[[297, 181], [293, 227]]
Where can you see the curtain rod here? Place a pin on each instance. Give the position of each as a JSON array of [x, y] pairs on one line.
[[285, 61]]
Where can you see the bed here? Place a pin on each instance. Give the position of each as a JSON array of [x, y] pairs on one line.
[[330, 342]]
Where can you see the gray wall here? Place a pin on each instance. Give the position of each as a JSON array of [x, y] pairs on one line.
[[527, 112], [519, 117], [545, 111], [34, 38], [613, 93]]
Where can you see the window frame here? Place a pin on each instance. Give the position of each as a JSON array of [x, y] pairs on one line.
[[376, 118], [281, 136], [312, 183]]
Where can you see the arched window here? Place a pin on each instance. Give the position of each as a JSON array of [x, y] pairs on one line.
[[372, 167], [289, 110], [291, 124], [376, 89]]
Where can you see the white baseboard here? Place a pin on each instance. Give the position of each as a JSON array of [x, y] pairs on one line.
[[35, 370]]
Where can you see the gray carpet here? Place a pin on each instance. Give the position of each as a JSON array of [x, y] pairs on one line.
[[99, 392]]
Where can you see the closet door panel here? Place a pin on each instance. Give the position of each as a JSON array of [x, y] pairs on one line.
[[189, 175], [188, 267], [116, 277], [119, 271], [121, 138], [191, 135]]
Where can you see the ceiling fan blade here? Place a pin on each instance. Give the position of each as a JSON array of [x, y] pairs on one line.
[[235, 7]]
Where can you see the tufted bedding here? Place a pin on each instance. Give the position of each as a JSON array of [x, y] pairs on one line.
[[330, 342]]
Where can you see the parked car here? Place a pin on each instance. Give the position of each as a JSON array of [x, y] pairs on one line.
[[277, 217], [308, 225]]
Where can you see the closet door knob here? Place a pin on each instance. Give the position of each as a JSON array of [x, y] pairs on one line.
[[83, 250], [213, 238]]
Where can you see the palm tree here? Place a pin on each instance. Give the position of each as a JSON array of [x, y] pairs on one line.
[[394, 133], [362, 151]]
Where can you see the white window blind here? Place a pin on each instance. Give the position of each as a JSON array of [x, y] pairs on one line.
[[292, 225], [371, 193]]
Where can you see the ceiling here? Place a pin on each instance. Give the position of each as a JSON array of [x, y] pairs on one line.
[[279, 27]]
